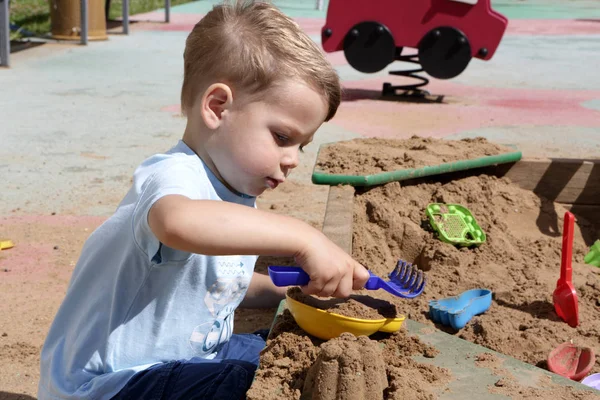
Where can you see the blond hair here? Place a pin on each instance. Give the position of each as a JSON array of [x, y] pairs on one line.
[[251, 45]]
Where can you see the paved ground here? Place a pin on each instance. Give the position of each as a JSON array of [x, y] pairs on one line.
[[75, 121], [89, 114]]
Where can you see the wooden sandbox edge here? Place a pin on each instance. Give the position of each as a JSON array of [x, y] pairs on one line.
[[339, 214], [567, 181]]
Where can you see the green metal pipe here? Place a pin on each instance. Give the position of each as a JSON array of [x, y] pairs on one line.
[[321, 178]]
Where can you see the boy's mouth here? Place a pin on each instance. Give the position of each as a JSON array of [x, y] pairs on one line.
[[273, 183]]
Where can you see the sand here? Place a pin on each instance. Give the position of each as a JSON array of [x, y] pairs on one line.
[[518, 263]]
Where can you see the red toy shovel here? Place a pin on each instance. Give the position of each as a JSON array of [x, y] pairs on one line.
[[565, 297]]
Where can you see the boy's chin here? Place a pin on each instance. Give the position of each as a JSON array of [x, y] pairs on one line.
[[254, 192], [257, 193], [263, 191]]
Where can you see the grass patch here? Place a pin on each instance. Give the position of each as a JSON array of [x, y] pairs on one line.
[[34, 15], [31, 15]]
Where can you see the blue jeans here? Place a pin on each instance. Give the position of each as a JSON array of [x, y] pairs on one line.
[[226, 377]]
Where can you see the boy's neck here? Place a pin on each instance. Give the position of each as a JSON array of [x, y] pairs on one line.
[[194, 138]]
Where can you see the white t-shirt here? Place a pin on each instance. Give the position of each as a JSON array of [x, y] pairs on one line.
[[133, 302]]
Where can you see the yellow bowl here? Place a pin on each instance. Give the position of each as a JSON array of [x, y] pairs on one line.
[[326, 325]]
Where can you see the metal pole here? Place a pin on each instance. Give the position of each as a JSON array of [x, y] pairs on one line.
[[84, 22], [4, 34], [319, 5], [167, 10], [126, 17]]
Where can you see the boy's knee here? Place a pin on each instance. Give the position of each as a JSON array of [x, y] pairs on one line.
[[247, 366], [234, 380], [263, 333], [242, 371]]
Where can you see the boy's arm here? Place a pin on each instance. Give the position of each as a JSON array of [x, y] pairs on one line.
[[221, 228], [262, 293]]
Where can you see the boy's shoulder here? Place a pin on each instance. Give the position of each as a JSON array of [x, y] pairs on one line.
[[176, 171], [180, 154], [173, 162]]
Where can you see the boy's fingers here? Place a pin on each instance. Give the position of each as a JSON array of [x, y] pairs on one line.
[[316, 287], [360, 277], [329, 288], [344, 288]]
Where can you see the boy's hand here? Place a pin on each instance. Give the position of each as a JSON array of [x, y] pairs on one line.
[[331, 270]]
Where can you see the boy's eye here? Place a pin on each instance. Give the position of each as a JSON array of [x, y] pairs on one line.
[[281, 138]]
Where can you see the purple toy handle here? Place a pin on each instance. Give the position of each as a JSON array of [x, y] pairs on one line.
[[405, 281], [295, 276], [288, 276]]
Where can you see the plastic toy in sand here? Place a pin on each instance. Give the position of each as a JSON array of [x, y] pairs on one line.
[[571, 361], [6, 244], [565, 297], [327, 325], [592, 381], [593, 257], [457, 311], [455, 224]]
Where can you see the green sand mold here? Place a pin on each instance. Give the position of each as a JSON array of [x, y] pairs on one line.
[[455, 224], [593, 257], [323, 178]]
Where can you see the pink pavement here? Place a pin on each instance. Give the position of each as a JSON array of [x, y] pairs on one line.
[[467, 108]]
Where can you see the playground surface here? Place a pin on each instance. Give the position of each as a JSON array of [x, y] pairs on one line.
[[75, 121]]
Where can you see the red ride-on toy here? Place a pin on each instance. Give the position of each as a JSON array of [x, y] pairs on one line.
[[446, 34]]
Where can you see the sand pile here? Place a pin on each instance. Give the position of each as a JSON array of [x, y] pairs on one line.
[[347, 368], [297, 366]]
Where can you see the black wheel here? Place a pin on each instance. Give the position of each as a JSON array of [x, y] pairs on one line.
[[369, 47], [444, 52]]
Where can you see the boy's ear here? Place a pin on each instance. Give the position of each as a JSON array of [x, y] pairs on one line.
[[217, 98]]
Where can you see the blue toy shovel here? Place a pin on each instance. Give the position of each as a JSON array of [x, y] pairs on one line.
[[405, 280]]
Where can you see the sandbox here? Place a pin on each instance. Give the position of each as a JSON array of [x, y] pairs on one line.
[[501, 352]]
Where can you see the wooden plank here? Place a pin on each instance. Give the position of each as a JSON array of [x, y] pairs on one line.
[[567, 181], [339, 213], [590, 213], [571, 181]]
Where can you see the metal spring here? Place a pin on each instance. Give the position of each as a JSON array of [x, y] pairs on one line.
[[410, 90]]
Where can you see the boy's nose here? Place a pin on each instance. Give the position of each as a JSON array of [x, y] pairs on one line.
[[291, 158]]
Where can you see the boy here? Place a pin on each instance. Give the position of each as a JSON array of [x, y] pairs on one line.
[[149, 310]]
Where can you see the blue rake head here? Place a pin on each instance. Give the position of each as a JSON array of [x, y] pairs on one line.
[[406, 280]]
